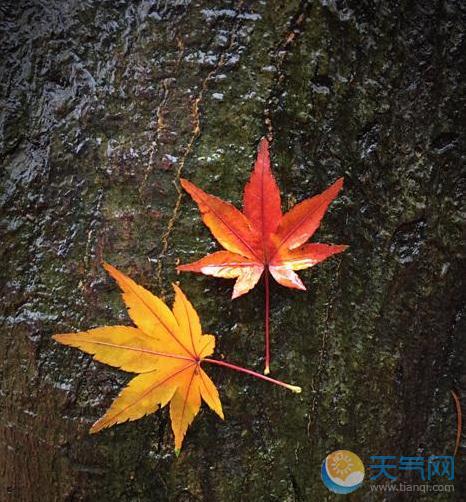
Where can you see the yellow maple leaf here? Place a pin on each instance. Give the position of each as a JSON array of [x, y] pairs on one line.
[[166, 348]]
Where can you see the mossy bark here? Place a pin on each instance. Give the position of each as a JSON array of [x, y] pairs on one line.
[[104, 106]]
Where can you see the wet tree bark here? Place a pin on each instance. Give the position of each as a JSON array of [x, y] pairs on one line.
[[104, 106]]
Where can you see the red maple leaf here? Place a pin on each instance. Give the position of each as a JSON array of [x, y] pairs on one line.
[[261, 237]]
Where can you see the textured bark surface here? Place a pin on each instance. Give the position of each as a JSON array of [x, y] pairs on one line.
[[104, 105]]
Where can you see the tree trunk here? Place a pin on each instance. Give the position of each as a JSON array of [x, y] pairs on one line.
[[105, 105]]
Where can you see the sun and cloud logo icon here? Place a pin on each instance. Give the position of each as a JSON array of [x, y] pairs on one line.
[[342, 471]]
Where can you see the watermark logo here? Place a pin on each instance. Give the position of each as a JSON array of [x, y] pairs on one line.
[[342, 471], [426, 469]]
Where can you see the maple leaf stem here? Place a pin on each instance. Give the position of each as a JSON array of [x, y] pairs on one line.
[[459, 421], [293, 388], [267, 323]]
